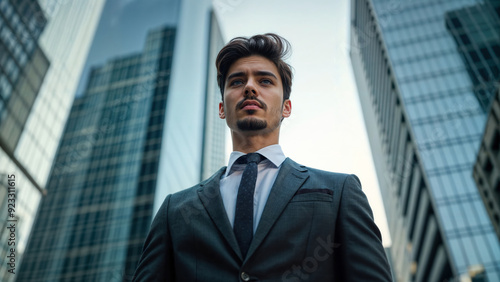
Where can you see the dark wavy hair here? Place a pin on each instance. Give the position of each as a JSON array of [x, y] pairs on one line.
[[271, 46]]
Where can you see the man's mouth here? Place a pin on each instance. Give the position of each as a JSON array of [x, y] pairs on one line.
[[250, 105]]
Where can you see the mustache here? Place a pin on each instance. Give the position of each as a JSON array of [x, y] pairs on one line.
[[240, 103]]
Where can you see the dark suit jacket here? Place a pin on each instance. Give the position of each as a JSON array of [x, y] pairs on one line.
[[316, 226]]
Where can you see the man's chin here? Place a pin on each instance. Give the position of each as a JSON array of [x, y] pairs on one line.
[[251, 124]]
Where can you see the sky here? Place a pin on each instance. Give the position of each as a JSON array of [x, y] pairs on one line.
[[326, 129]]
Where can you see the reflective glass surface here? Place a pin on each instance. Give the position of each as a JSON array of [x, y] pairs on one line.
[[447, 121], [40, 55], [93, 224]]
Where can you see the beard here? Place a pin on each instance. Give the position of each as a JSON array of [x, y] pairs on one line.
[[251, 124]]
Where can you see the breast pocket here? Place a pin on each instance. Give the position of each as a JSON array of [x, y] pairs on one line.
[[313, 195], [309, 215]]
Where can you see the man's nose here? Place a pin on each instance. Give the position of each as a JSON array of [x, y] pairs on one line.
[[250, 89]]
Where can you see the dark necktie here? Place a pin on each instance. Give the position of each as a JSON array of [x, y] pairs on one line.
[[243, 217]]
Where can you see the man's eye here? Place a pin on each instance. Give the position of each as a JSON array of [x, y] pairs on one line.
[[236, 83], [266, 81]]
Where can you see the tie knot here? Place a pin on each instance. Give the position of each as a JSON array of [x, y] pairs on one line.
[[251, 158]]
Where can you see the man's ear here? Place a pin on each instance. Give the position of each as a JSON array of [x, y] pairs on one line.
[[221, 110], [287, 108]]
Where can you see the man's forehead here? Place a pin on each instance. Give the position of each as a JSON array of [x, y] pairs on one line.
[[253, 64]]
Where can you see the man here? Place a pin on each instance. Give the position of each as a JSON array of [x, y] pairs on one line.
[[263, 217]]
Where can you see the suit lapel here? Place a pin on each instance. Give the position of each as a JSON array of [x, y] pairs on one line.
[[209, 194], [290, 177]]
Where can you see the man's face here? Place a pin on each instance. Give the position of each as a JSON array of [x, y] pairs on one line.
[[253, 96]]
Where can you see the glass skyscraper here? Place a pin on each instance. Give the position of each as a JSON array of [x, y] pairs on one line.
[[476, 30], [487, 166], [23, 66], [146, 125], [43, 45], [194, 142], [92, 225], [213, 150], [425, 121]]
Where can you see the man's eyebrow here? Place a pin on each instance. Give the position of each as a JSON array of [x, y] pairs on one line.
[[235, 74], [265, 73], [258, 73]]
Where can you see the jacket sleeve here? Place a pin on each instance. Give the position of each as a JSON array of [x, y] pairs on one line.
[[361, 254], [156, 263]]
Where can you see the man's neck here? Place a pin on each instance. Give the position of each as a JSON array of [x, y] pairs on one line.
[[252, 143]]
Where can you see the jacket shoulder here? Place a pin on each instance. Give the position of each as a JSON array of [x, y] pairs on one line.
[[327, 174], [327, 178], [185, 195]]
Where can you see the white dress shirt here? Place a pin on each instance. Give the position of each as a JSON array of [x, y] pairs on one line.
[[267, 172]]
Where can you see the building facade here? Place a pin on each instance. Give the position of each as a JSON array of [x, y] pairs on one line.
[[42, 48], [92, 225], [191, 146], [424, 122], [143, 128], [487, 166], [476, 31], [213, 152]]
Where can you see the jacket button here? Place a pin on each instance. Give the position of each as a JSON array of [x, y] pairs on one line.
[[245, 276]]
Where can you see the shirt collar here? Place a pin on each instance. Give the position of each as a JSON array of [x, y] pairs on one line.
[[273, 154]]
